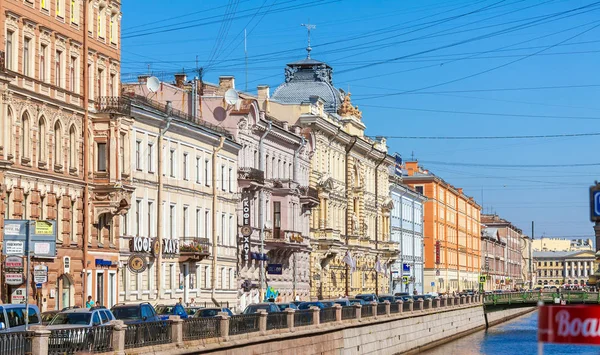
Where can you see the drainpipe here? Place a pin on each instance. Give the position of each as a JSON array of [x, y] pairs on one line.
[[159, 197], [261, 215], [347, 212], [295, 178], [376, 218], [87, 223], [213, 284]]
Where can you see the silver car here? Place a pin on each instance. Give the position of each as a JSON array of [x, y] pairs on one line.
[[81, 329]]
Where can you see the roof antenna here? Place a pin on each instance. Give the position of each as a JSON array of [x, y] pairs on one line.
[[308, 27]]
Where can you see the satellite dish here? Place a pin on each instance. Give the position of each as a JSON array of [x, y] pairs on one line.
[[153, 84], [231, 97]]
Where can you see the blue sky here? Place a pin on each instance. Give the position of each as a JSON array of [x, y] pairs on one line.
[[420, 68]]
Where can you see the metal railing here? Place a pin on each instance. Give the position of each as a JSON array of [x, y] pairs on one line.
[[147, 334], [243, 323], [348, 312], [17, 343], [366, 311], [248, 173], [381, 309], [394, 307], [201, 328], [327, 315], [406, 307], [113, 104], [277, 320], [303, 318], [88, 339], [194, 245]]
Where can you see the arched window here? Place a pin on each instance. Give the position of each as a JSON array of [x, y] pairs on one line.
[[25, 138], [10, 149], [58, 157], [72, 148], [41, 148]]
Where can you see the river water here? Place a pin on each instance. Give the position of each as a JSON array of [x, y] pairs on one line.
[[517, 337]]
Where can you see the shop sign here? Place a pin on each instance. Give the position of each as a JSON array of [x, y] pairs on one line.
[[246, 210], [569, 324], [13, 263], [141, 245], [14, 247], [170, 246], [137, 263], [40, 274], [274, 269], [13, 278], [44, 228], [18, 296], [12, 229], [104, 263], [149, 245]]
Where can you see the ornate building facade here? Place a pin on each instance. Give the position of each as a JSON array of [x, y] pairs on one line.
[[59, 157], [513, 260], [349, 174]]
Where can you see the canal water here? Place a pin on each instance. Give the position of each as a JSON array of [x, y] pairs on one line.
[[516, 337]]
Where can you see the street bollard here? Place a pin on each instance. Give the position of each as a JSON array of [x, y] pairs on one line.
[[290, 312], [420, 304], [451, 299], [444, 301], [262, 321], [411, 305], [118, 336], [400, 306], [223, 325], [176, 330], [463, 299], [388, 308], [429, 303], [374, 309], [316, 313], [358, 309], [39, 342], [469, 299], [338, 312]]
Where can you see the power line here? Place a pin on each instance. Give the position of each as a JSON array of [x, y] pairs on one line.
[[491, 137]]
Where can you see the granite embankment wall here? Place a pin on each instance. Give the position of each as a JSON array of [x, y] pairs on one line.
[[404, 333]]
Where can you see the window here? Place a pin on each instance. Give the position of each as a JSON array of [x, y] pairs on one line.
[[150, 157], [91, 81], [198, 222], [186, 218], [72, 149], [223, 177], [90, 19], [25, 139], [222, 239], [231, 231], [73, 75], [122, 153], [41, 148], [150, 213], [138, 217], [74, 12], [26, 56], [230, 180], [100, 83], [185, 166], [231, 287], [172, 163], [60, 8], [16, 317], [276, 218], [419, 189], [101, 22], [9, 49], [101, 157], [113, 86], [206, 276], [207, 233], [206, 168], [57, 71], [44, 4], [138, 164], [172, 221], [198, 177], [74, 221], [124, 226], [57, 144], [113, 29], [43, 64]]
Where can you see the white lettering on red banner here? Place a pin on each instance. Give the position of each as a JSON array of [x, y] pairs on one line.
[[569, 324]]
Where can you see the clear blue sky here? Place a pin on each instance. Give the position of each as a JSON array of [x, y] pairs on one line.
[[451, 57]]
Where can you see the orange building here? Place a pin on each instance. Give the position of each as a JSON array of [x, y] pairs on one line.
[[452, 233]]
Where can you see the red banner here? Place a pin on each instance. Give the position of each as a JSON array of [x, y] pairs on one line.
[[569, 324]]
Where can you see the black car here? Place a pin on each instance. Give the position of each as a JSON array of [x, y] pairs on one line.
[[211, 312], [389, 298], [135, 313]]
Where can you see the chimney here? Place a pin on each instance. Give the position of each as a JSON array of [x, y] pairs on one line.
[[285, 125], [460, 190], [180, 79], [226, 83], [263, 92], [142, 79]]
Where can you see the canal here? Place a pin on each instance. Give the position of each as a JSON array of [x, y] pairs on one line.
[[516, 337]]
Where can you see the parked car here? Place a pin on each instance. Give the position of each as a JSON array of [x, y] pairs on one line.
[[360, 301], [164, 311], [342, 302], [47, 316], [284, 306], [193, 309], [12, 317], [135, 313], [267, 306], [307, 305], [388, 298], [81, 317], [369, 297], [401, 294], [211, 312], [328, 304]]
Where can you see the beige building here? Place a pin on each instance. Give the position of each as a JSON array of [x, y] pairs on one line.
[[349, 175], [60, 159], [556, 268], [191, 208], [562, 244]]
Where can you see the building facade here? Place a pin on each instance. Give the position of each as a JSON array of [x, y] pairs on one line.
[[348, 174], [407, 230], [528, 270], [493, 251], [59, 157], [273, 181], [513, 237], [452, 230], [562, 244], [557, 268], [185, 199]]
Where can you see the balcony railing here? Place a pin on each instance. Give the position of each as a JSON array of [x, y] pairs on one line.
[[194, 248], [252, 174], [113, 104]]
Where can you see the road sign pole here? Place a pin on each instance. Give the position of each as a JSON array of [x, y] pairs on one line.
[[27, 276]]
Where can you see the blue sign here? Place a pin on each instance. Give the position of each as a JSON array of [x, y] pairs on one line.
[[105, 263], [38, 285], [259, 256], [42, 237], [432, 283], [596, 204], [405, 269], [274, 269]]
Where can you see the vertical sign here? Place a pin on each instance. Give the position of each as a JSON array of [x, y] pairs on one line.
[[246, 210], [246, 228], [595, 203], [437, 252]]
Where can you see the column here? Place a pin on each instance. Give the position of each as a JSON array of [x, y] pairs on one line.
[[579, 268], [572, 269], [564, 270]]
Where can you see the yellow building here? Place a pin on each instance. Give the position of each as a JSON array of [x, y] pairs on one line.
[[556, 268], [349, 175]]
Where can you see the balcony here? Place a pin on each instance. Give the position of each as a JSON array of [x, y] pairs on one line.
[[193, 249], [310, 197], [284, 240], [251, 175], [113, 104]]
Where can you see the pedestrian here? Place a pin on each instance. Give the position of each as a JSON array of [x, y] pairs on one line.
[[279, 300], [90, 303], [180, 301], [192, 302], [415, 292]]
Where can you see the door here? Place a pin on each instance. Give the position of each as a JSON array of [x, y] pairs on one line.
[[186, 283], [65, 295], [112, 289], [100, 289]]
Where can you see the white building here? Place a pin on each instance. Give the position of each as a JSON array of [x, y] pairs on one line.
[[407, 230]]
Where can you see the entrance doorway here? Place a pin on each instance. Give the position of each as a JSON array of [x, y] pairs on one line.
[[100, 289]]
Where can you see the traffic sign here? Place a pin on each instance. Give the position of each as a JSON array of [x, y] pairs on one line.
[[38, 285], [482, 279], [595, 203]]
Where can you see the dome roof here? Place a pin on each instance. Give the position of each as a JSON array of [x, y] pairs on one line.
[[306, 78]]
